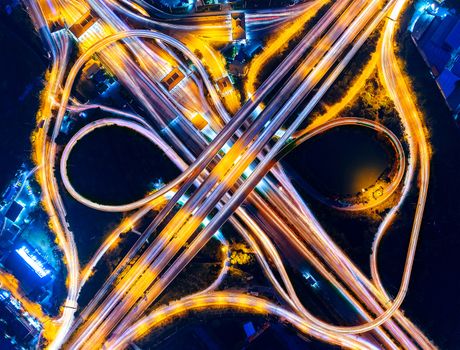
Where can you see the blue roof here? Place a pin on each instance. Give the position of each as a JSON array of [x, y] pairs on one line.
[[443, 30], [453, 39], [9, 193], [29, 267], [13, 211], [436, 56], [447, 82], [438, 40], [456, 67], [249, 329], [422, 24], [428, 33], [454, 100]]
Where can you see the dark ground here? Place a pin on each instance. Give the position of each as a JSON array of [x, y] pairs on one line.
[[22, 65]]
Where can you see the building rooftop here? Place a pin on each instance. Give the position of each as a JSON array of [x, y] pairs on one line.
[[456, 67], [423, 23], [238, 26], [19, 328], [225, 85], [447, 82], [8, 236], [453, 38], [436, 33], [14, 211], [443, 29], [453, 100], [171, 80], [83, 24], [249, 329], [29, 267]]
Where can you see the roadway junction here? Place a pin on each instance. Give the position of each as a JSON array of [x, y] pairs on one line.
[[228, 152]]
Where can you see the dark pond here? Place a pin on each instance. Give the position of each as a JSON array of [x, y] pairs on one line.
[[342, 161], [115, 165]]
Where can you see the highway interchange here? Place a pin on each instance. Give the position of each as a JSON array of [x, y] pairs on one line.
[[236, 161]]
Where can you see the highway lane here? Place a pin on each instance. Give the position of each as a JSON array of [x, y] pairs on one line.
[[69, 309], [233, 223], [275, 44], [230, 128], [400, 92], [238, 301], [395, 182], [173, 271], [141, 77], [256, 142], [151, 135], [262, 92], [132, 219], [42, 153], [362, 328], [251, 224], [287, 11], [388, 312], [305, 43], [420, 337], [217, 22], [155, 65], [215, 27], [267, 134], [225, 266], [64, 101]]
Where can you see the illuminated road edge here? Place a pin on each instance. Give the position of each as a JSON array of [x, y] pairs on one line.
[[338, 36]]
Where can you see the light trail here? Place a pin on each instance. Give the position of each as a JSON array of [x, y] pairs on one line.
[[351, 94], [42, 152], [223, 135], [148, 134], [275, 45], [238, 301], [399, 91], [397, 146], [258, 142], [242, 192], [380, 320], [215, 184]]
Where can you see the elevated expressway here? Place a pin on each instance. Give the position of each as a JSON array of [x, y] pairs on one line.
[[222, 182]]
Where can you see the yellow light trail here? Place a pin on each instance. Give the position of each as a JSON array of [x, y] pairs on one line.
[[214, 63], [10, 283], [277, 44], [238, 301], [47, 181], [352, 92]]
